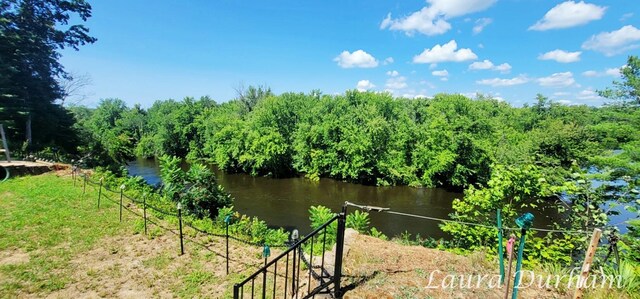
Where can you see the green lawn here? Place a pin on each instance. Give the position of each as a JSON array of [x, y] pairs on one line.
[[55, 241], [44, 222]]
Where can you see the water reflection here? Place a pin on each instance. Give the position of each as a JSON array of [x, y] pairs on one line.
[[285, 202]]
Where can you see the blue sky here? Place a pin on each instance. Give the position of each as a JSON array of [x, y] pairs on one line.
[[509, 49]]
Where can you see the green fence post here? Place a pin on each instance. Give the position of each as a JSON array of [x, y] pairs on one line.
[[500, 249], [524, 222]]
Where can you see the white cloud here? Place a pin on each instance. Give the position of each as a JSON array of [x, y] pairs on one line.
[[480, 24], [444, 79], [394, 83], [443, 53], [392, 73], [589, 95], [569, 14], [358, 58], [561, 56], [388, 60], [561, 94], [626, 16], [488, 65], [481, 65], [496, 82], [557, 80], [614, 42], [564, 102], [431, 19], [364, 85], [613, 72], [442, 73], [503, 68]]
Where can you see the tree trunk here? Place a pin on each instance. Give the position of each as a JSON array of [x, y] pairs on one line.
[[29, 139]]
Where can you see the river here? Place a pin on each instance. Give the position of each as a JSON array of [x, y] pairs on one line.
[[285, 202]]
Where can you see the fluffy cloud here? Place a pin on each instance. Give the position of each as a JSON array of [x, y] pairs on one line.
[[358, 58], [503, 68], [397, 82], [392, 73], [496, 82], [388, 60], [561, 56], [589, 95], [612, 72], [615, 72], [480, 24], [557, 80], [569, 14], [614, 42], [443, 53], [488, 65], [364, 85], [431, 19], [442, 73]]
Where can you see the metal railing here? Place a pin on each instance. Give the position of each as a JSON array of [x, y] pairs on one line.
[[285, 277]]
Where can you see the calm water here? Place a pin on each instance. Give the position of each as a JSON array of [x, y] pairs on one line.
[[285, 202]]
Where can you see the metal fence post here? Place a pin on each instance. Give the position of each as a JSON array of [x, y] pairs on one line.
[[144, 211], [100, 191], [500, 249], [180, 226], [121, 191], [236, 291], [227, 219], [339, 250]]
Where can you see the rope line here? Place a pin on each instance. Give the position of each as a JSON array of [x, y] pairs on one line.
[[389, 211]]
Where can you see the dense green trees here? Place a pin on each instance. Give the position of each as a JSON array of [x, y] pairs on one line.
[[365, 137], [31, 33]]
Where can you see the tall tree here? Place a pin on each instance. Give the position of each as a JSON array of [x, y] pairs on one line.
[[628, 91], [31, 34]]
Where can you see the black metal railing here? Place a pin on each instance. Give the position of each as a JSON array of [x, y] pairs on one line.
[[303, 270]]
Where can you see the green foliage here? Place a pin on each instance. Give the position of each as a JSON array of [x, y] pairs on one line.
[[359, 221], [243, 227], [627, 91], [197, 188], [31, 35], [516, 190], [631, 241], [319, 215]]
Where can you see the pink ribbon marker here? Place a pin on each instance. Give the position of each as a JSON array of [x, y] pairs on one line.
[[510, 245]]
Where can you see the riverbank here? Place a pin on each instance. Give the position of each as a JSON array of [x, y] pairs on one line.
[[56, 243]]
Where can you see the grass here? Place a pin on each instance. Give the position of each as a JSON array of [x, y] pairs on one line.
[[55, 241], [43, 217]]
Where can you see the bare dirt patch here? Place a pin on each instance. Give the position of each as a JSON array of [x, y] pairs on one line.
[[380, 269], [13, 257], [134, 266]]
